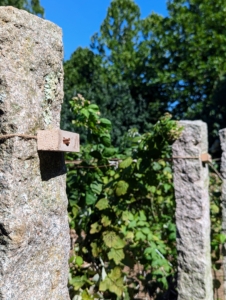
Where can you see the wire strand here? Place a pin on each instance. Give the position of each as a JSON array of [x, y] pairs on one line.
[[216, 171], [25, 136], [77, 162]]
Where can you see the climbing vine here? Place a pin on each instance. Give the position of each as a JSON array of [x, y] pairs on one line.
[[121, 209]]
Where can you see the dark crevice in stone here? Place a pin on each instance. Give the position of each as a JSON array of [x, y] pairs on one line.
[[3, 231]]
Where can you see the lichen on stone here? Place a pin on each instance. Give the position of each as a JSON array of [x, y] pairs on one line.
[[50, 89]]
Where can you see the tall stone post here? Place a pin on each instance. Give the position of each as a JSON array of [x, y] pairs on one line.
[[192, 213], [222, 134], [34, 233]]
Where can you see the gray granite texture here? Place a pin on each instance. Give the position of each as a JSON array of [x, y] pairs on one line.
[[34, 232], [192, 213]]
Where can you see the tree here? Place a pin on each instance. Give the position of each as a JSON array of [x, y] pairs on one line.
[[32, 6], [194, 41], [84, 74], [149, 66], [108, 82]]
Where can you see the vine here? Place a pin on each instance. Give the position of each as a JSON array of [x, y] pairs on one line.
[[121, 209]]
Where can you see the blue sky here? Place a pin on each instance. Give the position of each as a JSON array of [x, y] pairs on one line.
[[80, 19]]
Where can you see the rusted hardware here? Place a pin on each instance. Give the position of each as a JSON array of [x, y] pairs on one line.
[[66, 141]]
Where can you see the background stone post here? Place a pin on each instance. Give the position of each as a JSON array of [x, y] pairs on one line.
[[34, 232], [222, 134], [192, 213]]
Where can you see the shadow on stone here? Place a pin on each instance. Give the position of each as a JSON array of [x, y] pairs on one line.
[[52, 164]]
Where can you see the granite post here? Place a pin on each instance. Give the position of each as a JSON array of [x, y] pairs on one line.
[[34, 232], [192, 213], [222, 134]]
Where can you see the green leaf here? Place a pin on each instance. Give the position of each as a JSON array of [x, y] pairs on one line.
[[126, 215], [78, 260], [138, 163], [142, 216], [126, 163], [152, 189], [121, 188], [157, 263], [156, 166], [221, 238], [105, 180], [146, 230], [112, 240], [105, 123], [141, 223], [105, 140], [167, 170], [140, 236], [73, 202], [172, 236], [90, 198], [129, 235], [93, 107], [115, 274], [167, 187], [95, 249], [148, 250], [109, 151], [86, 296], [111, 173], [117, 255], [106, 221], [78, 282], [96, 188], [85, 112], [75, 211], [113, 282], [102, 204], [95, 227], [132, 224], [214, 208]]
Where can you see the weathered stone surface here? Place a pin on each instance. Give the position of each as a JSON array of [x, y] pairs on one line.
[[222, 134], [192, 213], [58, 140], [34, 233]]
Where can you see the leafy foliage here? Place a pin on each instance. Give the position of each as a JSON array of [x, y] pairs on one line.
[[194, 42], [138, 69], [217, 238], [32, 6], [123, 208]]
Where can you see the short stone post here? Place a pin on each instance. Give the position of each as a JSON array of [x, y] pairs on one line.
[[222, 134], [34, 232], [192, 213]]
